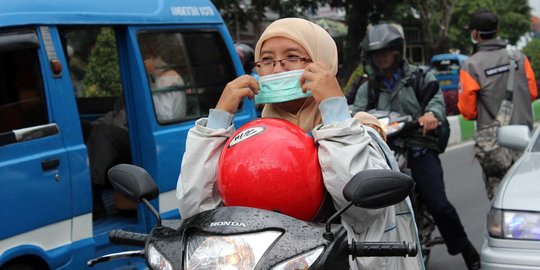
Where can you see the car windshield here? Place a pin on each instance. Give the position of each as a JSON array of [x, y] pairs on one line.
[[445, 66]]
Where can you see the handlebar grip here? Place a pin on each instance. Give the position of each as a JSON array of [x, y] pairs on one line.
[[121, 237], [407, 129], [383, 249]]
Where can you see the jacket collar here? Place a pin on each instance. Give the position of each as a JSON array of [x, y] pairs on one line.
[[491, 45]]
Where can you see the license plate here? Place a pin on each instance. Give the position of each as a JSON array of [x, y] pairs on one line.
[[445, 82]]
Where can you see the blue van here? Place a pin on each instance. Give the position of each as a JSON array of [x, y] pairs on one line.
[[446, 68], [64, 64]]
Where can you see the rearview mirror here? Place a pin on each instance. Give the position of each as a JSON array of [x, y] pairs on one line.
[[515, 137], [378, 188], [133, 182]]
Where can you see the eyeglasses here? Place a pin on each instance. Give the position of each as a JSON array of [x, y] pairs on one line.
[[267, 64]]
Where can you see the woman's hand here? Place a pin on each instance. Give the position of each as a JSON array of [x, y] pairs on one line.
[[235, 91], [428, 121], [319, 79]]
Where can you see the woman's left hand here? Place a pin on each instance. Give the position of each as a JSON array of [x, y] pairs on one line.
[[321, 81]]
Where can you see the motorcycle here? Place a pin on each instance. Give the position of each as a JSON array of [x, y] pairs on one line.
[[397, 128], [248, 238]]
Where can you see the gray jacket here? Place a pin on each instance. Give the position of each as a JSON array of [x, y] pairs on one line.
[[403, 100], [344, 149], [483, 83]]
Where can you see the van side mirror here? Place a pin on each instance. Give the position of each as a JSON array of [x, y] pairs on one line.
[[133, 182], [378, 188]]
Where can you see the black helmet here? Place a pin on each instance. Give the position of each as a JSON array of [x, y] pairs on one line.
[[380, 37], [247, 57]]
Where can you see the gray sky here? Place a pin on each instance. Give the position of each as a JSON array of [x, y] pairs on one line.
[[535, 6]]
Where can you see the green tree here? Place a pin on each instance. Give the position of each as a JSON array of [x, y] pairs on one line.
[[359, 14], [444, 23], [102, 76], [237, 14], [434, 19], [514, 20], [532, 50]]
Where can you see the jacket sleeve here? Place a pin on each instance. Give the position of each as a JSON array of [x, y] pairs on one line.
[[345, 148], [361, 99], [468, 89], [196, 189], [529, 73], [436, 104]]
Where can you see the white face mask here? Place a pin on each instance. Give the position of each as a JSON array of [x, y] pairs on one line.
[[281, 87], [473, 40]]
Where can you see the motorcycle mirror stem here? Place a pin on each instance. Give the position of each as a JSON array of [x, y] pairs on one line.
[[136, 184], [373, 189], [328, 235]]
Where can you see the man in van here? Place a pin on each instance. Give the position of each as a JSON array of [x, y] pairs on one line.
[[483, 85]]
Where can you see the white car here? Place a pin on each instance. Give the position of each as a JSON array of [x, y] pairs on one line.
[[512, 235]]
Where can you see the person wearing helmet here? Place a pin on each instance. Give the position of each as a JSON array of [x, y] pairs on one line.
[[247, 56], [392, 81], [300, 58]]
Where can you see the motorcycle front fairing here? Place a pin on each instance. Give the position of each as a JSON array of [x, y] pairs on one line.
[[247, 237]]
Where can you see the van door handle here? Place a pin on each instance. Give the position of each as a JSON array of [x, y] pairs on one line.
[[50, 164]]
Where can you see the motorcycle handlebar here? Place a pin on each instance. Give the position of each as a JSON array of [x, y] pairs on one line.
[[408, 128], [121, 237], [383, 249]]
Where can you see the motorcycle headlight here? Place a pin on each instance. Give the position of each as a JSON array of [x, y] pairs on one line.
[[384, 121], [514, 224], [231, 252], [156, 260], [394, 127], [303, 261]]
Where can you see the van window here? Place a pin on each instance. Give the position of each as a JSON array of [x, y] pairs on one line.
[[446, 66], [22, 100], [186, 72], [93, 63]]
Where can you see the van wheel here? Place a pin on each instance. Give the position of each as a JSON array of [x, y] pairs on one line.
[[17, 266]]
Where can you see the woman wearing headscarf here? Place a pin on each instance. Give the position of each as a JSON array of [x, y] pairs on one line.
[[297, 46]]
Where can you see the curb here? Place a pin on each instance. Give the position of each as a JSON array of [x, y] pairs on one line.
[[462, 130]]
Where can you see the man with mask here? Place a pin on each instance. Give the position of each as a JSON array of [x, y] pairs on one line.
[[393, 87], [484, 81]]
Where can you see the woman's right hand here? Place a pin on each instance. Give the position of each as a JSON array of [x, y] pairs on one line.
[[319, 78], [235, 91]]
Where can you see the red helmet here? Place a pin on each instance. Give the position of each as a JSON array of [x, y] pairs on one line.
[[272, 164]]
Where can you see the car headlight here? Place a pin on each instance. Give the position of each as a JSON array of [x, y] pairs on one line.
[[231, 252], [156, 260], [513, 224], [303, 261]]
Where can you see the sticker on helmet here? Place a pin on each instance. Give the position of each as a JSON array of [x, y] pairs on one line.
[[246, 134]]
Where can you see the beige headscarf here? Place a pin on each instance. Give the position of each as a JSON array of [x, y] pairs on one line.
[[320, 47]]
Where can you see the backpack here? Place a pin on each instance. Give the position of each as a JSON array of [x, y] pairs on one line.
[[423, 95]]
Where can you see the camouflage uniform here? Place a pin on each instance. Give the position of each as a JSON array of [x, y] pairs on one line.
[[494, 159]]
